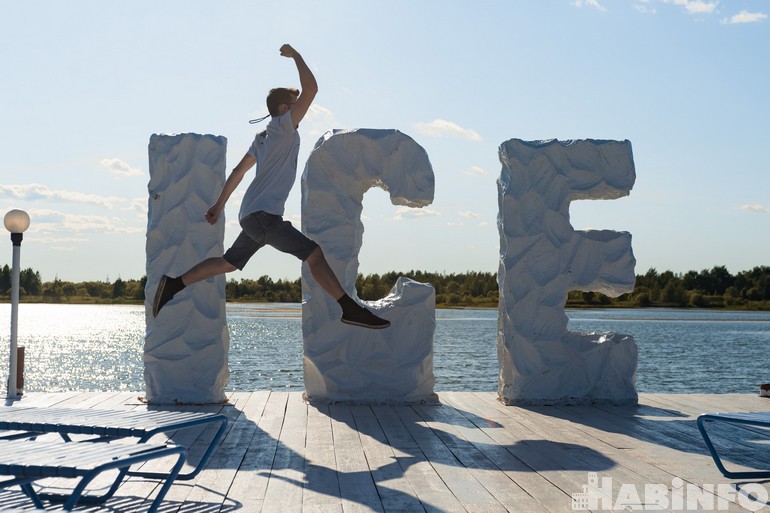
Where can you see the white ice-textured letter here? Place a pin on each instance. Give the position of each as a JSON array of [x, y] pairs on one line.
[[185, 349], [542, 258], [346, 363]]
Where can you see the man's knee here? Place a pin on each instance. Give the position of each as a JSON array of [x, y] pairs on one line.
[[315, 257], [227, 266]]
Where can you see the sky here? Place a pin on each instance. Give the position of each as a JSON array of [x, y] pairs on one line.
[[86, 83]]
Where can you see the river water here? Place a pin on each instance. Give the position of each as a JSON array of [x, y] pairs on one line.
[[99, 347]]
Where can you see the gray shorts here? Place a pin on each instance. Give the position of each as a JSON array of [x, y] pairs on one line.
[[261, 228]]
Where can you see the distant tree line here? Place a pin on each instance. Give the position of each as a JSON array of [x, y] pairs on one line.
[[32, 288], [709, 288], [714, 287], [464, 289]]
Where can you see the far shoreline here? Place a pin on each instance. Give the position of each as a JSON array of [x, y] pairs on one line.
[[710, 289], [761, 306]]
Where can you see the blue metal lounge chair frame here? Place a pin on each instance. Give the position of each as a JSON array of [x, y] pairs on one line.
[[30, 460], [109, 425], [747, 419]]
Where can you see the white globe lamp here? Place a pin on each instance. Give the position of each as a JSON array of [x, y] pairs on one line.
[[16, 221]]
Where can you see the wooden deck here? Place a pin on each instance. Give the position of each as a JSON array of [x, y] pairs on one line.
[[469, 453]]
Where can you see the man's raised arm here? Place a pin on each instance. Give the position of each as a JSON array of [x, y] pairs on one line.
[[308, 85]]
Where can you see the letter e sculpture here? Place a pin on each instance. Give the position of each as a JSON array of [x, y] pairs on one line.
[[542, 258]]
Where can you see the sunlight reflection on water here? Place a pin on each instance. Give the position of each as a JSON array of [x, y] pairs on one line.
[[99, 347], [80, 347]]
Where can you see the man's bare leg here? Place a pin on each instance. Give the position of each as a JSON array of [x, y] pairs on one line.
[[352, 312], [206, 269], [323, 274], [168, 287]]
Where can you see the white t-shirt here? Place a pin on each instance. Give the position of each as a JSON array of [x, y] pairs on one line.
[[276, 152]]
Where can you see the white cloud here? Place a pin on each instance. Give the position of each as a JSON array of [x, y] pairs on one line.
[[119, 168], [36, 192], [403, 213], [54, 221], [476, 171], [756, 208], [236, 199], [137, 205], [320, 120], [467, 214], [443, 128], [745, 17], [60, 240], [317, 112], [590, 3], [643, 6], [695, 6]]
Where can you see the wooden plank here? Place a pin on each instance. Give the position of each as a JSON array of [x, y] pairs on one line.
[[744, 444], [276, 405], [285, 486], [197, 440], [471, 453], [427, 484], [111, 401], [357, 490], [551, 488], [39, 399], [456, 433], [658, 453], [742, 447], [48, 399], [220, 472], [251, 480], [322, 488], [123, 401], [90, 400], [460, 481], [625, 467], [695, 404], [395, 492]]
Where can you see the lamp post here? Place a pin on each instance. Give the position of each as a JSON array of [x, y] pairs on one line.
[[16, 222]]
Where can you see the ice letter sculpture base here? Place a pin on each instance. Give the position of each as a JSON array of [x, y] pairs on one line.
[[347, 363], [185, 348]]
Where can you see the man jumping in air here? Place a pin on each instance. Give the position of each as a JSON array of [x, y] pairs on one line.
[[274, 151]]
